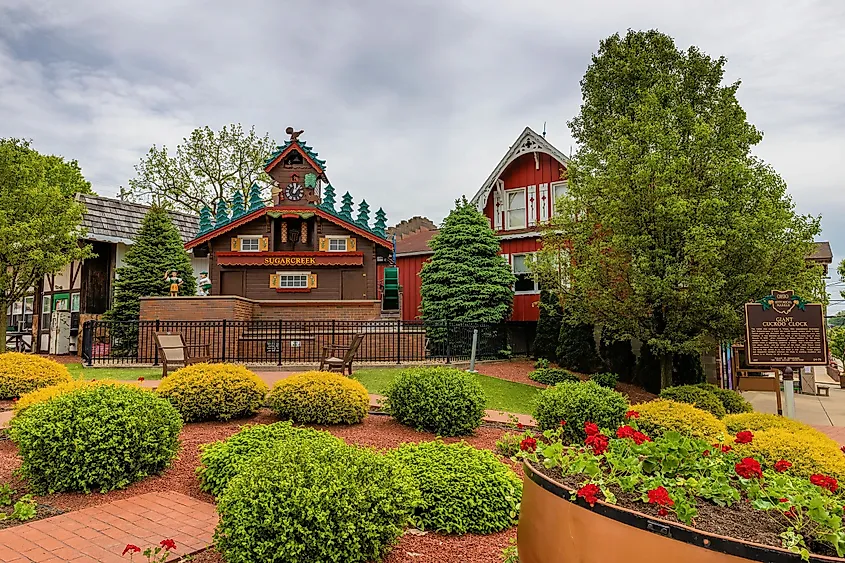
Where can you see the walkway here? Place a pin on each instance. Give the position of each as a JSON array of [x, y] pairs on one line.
[[101, 533]]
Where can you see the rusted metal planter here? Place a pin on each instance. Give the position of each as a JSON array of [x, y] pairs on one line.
[[555, 529]]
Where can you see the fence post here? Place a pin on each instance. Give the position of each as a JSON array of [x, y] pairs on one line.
[[155, 346], [279, 346], [88, 342], [448, 343], [472, 354], [398, 341], [223, 344]]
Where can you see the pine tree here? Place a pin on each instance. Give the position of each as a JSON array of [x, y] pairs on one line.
[[157, 250], [238, 205], [548, 327], [576, 349], [618, 357], [222, 216], [363, 219], [328, 199], [346, 208], [466, 279], [255, 201], [381, 223], [205, 221]]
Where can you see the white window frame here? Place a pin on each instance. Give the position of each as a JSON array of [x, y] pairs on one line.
[[344, 238], [74, 307], [524, 208], [256, 238], [46, 304], [536, 284], [553, 192], [306, 275]]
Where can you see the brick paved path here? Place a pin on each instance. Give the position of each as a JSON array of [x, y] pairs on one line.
[[100, 533]]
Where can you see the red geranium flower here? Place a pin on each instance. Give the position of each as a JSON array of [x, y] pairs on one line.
[[598, 442], [790, 513], [520, 426], [662, 512], [562, 423], [744, 437], [706, 453], [782, 465], [783, 500], [591, 428], [588, 493], [749, 468], [726, 449], [625, 432], [639, 438], [141, 378], [528, 444], [129, 547], [168, 544], [660, 497], [842, 449], [632, 414], [824, 482]]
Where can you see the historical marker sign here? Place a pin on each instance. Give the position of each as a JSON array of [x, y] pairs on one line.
[[784, 330]]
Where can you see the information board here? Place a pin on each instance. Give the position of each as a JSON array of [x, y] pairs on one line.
[[784, 330]]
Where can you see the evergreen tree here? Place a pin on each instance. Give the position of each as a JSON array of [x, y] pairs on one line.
[[238, 205], [222, 216], [205, 221], [156, 251], [346, 208], [618, 357], [466, 279], [363, 219], [255, 201], [381, 223], [328, 199], [548, 327], [576, 349]]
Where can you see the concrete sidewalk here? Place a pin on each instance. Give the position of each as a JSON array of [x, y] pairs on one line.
[[810, 409]]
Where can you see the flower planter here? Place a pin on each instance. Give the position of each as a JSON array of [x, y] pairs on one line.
[[555, 529]]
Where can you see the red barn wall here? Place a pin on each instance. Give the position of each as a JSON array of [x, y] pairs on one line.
[[409, 279], [524, 305], [523, 172]]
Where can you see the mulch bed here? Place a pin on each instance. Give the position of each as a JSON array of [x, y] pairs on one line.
[[376, 431]]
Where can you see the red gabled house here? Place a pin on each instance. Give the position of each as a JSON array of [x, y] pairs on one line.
[[517, 197]]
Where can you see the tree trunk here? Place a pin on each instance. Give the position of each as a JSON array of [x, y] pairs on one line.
[[666, 370], [3, 320]]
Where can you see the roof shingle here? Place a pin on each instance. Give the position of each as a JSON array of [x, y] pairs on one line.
[[113, 220]]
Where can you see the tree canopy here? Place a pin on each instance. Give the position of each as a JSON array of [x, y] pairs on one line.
[[670, 224], [206, 167], [39, 219], [466, 279]]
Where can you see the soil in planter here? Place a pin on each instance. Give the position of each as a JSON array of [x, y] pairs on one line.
[[739, 521], [41, 511]]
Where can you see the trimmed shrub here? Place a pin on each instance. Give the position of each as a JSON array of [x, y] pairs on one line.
[[661, 415], [755, 421], [100, 437], [577, 403], [307, 501], [213, 392], [47, 393], [548, 327], [24, 373], [552, 376], [508, 444], [221, 461], [444, 401], [319, 397], [695, 396], [608, 380], [732, 401], [809, 453], [464, 490]]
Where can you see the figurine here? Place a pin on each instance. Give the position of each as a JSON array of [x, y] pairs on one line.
[[204, 284], [175, 281]]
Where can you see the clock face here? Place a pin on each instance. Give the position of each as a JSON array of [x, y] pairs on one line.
[[294, 191]]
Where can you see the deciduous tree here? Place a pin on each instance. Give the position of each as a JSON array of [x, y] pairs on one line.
[[39, 219], [670, 223], [204, 168]]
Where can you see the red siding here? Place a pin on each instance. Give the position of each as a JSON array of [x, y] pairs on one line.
[[523, 172], [524, 308], [409, 280]]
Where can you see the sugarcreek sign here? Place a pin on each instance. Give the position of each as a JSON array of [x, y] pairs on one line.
[[782, 329], [290, 259]]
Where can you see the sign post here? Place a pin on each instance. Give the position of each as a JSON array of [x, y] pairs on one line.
[[783, 330]]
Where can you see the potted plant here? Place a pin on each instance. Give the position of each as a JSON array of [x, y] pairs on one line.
[[621, 496]]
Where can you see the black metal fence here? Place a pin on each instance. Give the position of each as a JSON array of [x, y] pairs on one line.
[[302, 342]]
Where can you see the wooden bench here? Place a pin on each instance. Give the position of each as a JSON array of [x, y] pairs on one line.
[[823, 389]]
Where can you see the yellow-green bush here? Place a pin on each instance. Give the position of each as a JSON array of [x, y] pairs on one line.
[[22, 373], [809, 452], [755, 421], [47, 393], [213, 392], [661, 415], [320, 398]]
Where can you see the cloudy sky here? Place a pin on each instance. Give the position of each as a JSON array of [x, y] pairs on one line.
[[412, 103]]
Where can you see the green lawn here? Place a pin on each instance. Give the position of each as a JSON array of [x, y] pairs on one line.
[[501, 395], [78, 371]]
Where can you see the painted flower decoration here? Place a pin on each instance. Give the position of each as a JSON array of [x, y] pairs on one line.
[[632, 414], [782, 465], [591, 428], [130, 548], [588, 493], [824, 482], [528, 444], [168, 544], [744, 437], [749, 468]]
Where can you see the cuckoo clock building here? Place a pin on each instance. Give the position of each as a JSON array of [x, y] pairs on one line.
[[307, 254]]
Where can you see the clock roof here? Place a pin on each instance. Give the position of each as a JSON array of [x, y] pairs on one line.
[[307, 152]]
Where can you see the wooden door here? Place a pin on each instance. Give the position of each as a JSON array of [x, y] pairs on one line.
[[353, 284], [232, 283]]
